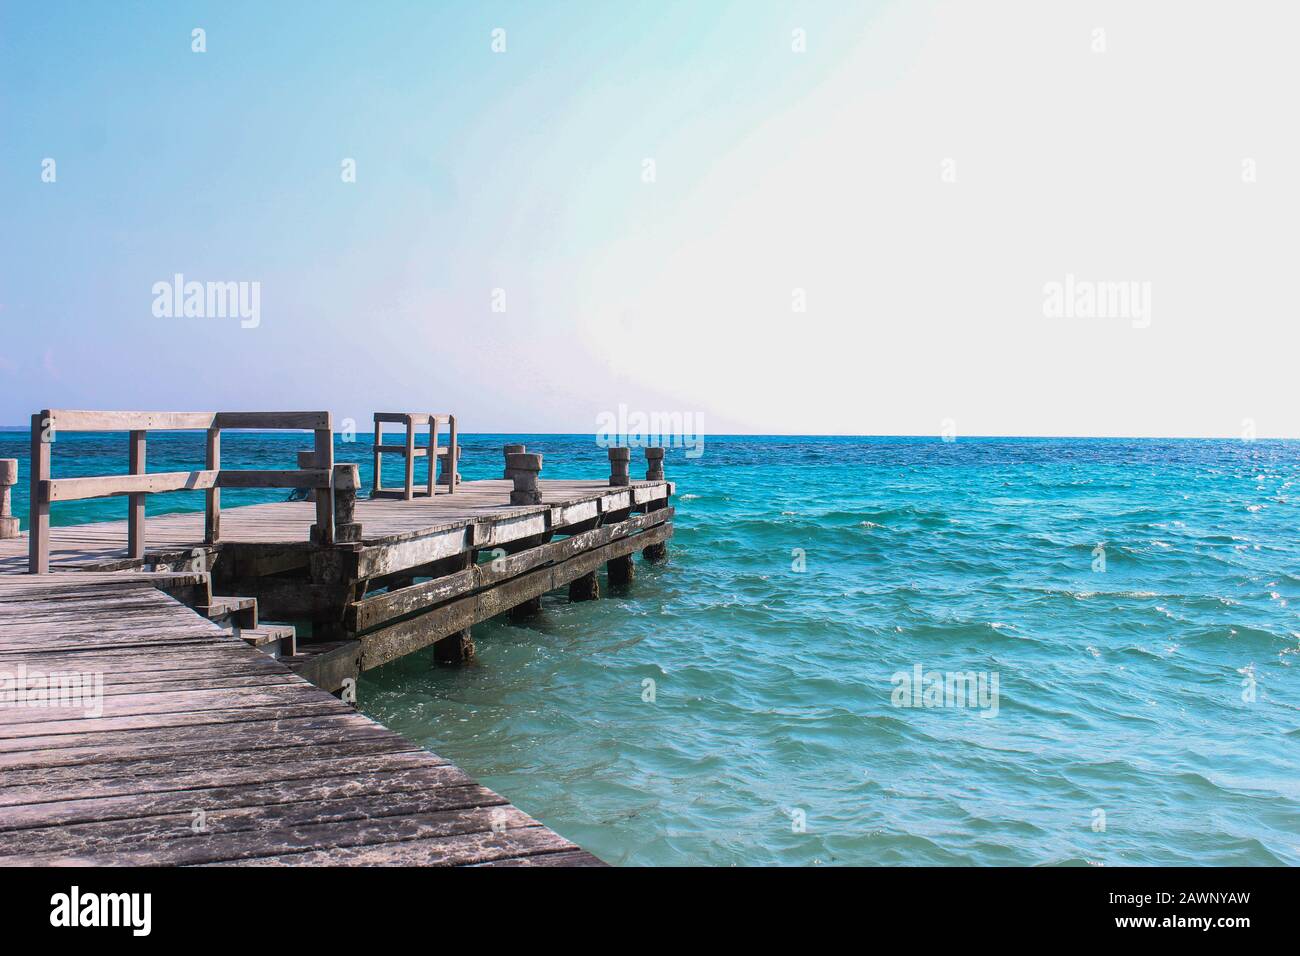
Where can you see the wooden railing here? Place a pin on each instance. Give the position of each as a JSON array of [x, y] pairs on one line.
[[449, 454], [138, 484]]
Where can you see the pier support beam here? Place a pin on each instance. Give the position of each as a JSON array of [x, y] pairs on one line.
[[585, 588], [621, 571], [455, 648]]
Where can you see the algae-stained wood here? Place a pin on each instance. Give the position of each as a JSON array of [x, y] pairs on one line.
[[374, 611], [396, 640]]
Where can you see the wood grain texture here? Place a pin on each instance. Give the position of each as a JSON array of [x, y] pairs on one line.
[[200, 750]]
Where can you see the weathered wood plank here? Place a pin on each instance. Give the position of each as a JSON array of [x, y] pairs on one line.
[[404, 637], [194, 726], [374, 611]]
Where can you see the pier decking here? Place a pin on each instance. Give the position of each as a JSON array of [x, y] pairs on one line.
[[220, 739], [206, 751]]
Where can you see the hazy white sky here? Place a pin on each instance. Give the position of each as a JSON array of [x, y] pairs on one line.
[[915, 178]]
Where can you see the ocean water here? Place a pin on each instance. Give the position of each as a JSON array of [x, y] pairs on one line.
[[1147, 712]]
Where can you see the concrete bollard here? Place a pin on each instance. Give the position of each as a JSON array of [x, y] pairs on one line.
[[654, 464], [8, 478], [619, 461], [444, 469], [524, 470], [512, 450], [347, 479]]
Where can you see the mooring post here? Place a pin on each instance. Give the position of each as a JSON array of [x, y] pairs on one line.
[[654, 471], [654, 464], [457, 648], [524, 469], [445, 471], [8, 478], [347, 479], [512, 450], [620, 459]]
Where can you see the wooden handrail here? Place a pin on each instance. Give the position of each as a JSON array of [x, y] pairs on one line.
[[160, 482], [139, 483], [77, 420], [410, 451]]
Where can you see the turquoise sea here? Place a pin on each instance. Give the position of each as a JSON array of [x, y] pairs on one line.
[[1146, 713]]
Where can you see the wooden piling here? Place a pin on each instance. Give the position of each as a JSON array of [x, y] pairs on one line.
[[526, 609], [585, 588], [654, 458], [455, 648], [620, 570], [8, 478]]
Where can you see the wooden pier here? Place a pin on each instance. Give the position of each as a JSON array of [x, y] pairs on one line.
[[213, 716]]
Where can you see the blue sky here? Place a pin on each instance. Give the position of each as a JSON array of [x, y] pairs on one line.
[[523, 171]]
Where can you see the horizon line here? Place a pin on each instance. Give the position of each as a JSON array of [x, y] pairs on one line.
[[26, 429]]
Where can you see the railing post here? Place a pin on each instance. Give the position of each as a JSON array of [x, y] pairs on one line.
[[323, 532], [512, 450], [38, 521], [619, 460], [524, 469], [347, 479], [212, 505], [135, 508], [453, 449], [376, 482], [410, 458], [8, 478], [432, 454]]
